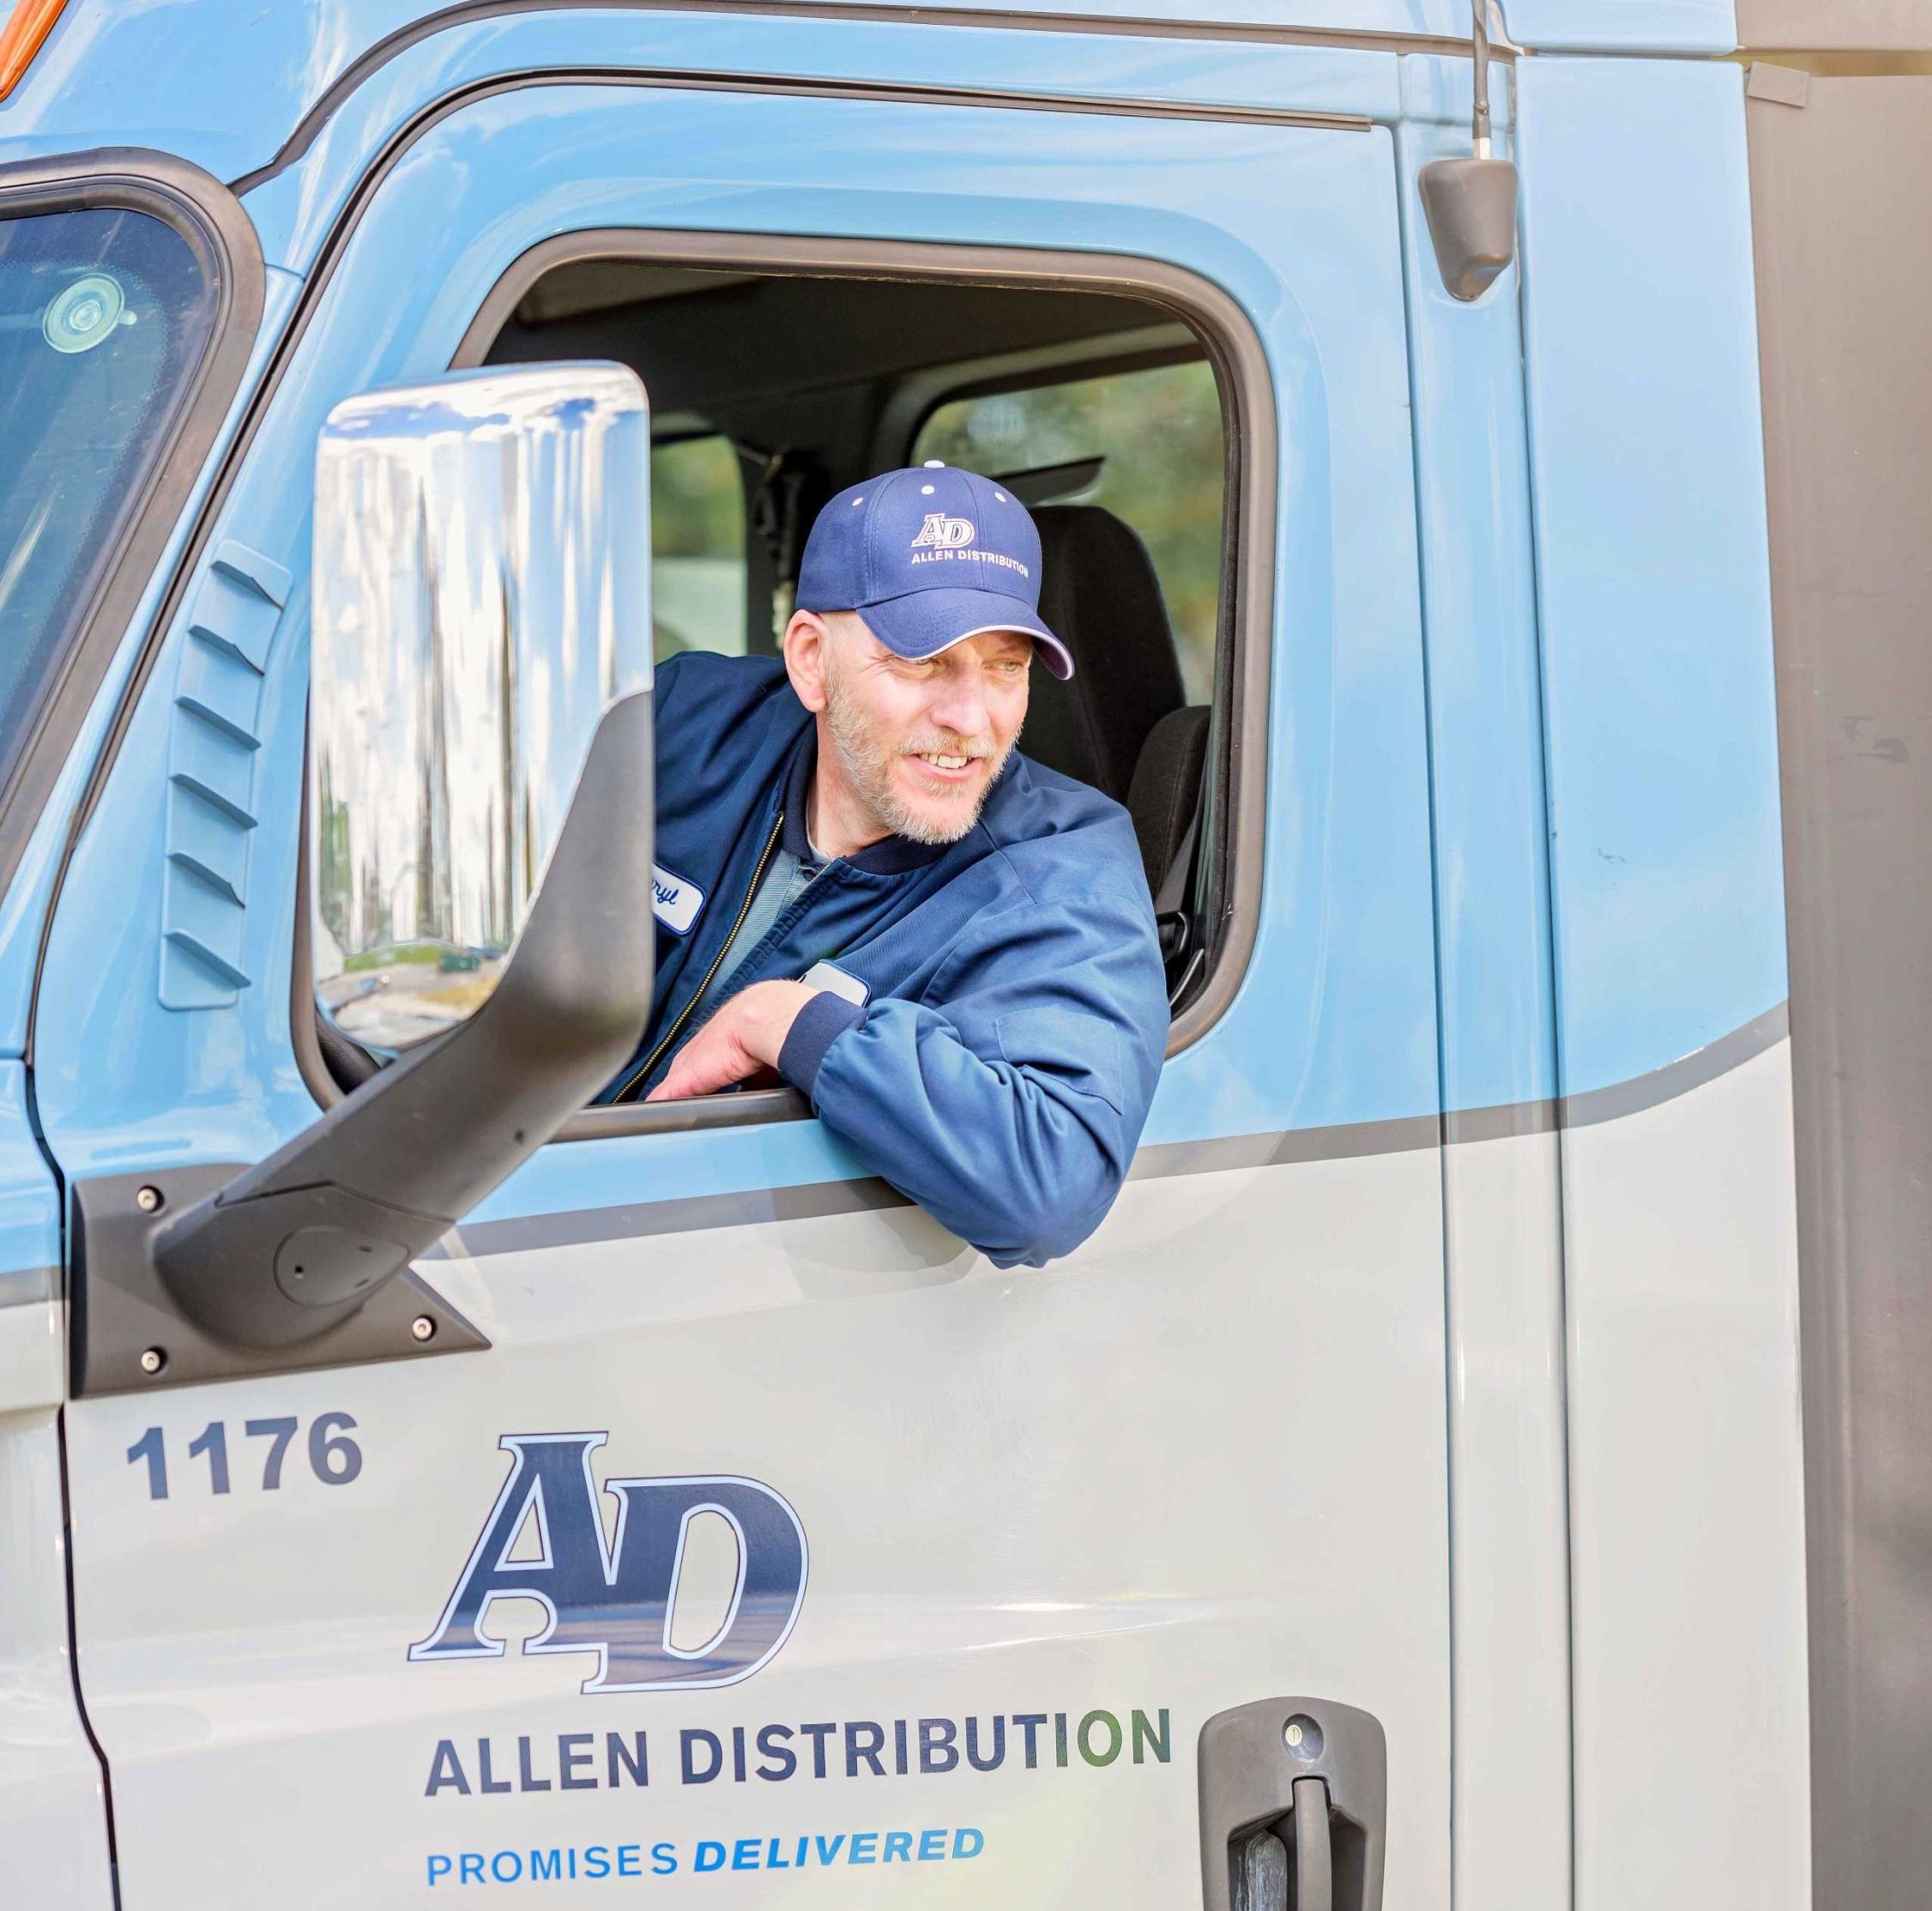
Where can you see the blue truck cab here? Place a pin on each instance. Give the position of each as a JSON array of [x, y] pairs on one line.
[[1479, 1458]]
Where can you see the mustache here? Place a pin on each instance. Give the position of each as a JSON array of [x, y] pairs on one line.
[[977, 748]]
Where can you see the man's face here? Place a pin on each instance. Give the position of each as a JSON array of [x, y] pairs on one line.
[[922, 743]]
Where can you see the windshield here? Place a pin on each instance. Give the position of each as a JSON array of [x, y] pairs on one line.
[[104, 318]]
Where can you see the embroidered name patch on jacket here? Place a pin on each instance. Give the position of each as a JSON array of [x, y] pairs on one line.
[[675, 900]]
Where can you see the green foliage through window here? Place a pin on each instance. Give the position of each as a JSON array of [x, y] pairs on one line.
[[698, 547], [1157, 435]]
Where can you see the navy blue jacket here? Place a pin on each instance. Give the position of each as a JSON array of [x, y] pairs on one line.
[[1001, 1071]]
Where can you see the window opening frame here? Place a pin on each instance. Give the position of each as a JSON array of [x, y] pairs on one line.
[[1228, 888]]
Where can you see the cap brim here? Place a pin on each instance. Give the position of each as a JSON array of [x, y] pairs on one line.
[[923, 623]]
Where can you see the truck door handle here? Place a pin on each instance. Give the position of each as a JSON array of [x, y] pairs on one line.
[[1293, 1797], [1263, 1867], [1315, 1856]]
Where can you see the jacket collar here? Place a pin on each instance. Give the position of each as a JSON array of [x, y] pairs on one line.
[[891, 855]]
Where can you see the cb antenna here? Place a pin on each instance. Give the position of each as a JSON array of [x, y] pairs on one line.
[[1471, 204], [1479, 39]]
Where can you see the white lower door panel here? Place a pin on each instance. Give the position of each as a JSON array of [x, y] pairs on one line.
[[1084, 1509]]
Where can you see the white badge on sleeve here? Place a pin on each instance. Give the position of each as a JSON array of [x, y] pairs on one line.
[[824, 977]]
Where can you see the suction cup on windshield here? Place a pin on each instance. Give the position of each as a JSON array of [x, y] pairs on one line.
[[85, 314]]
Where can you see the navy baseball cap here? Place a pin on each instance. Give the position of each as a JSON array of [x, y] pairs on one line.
[[929, 556]]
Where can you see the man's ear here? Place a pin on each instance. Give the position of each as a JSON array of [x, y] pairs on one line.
[[806, 638]]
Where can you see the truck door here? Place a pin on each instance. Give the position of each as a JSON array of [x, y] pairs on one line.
[[952, 1565]]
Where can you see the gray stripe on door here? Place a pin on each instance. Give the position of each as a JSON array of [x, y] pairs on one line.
[[22, 1286], [1349, 1141]]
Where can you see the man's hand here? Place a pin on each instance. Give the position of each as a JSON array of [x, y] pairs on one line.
[[741, 1040]]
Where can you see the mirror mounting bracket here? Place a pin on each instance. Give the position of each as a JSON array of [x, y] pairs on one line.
[[128, 1335]]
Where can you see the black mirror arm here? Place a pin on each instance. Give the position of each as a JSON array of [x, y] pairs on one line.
[[303, 1239]]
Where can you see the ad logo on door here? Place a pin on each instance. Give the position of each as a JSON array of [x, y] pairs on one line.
[[616, 1597]]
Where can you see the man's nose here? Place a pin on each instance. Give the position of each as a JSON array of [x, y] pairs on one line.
[[960, 705]]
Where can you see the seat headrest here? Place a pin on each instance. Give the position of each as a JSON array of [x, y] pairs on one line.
[[1166, 790], [1099, 593]]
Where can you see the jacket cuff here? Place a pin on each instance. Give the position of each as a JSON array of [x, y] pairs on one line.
[[814, 1029]]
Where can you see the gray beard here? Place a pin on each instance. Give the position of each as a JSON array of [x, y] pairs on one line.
[[868, 768]]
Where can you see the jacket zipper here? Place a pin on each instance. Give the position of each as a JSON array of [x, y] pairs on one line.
[[744, 909]]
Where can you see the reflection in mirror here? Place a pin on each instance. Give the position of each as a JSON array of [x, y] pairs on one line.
[[481, 596]]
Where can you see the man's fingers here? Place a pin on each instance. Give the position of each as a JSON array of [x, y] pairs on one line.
[[688, 1076], [678, 1084], [713, 1059]]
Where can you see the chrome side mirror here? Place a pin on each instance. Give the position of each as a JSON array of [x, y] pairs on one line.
[[481, 596], [481, 740]]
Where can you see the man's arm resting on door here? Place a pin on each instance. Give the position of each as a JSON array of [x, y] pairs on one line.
[[1009, 1106]]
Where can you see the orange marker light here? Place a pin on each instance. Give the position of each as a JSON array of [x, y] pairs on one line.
[[20, 39]]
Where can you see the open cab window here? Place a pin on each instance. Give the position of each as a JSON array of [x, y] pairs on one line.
[[772, 387]]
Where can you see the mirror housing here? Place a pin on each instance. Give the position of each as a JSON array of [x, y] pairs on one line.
[[480, 597], [549, 607]]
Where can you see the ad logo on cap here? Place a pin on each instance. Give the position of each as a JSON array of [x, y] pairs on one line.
[[942, 533]]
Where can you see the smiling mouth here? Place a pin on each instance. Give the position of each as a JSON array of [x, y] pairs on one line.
[[946, 768]]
